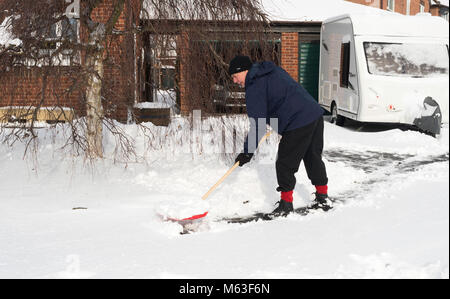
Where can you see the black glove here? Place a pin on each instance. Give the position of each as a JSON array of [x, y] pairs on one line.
[[243, 158]]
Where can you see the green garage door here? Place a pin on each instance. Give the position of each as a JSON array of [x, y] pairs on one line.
[[308, 66]]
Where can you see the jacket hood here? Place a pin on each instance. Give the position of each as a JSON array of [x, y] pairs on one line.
[[259, 70]]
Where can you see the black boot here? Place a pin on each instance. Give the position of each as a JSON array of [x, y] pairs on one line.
[[321, 202], [283, 208]]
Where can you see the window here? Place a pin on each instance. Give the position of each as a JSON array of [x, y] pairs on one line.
[[391, 5], [345, 64], [167, 78], [66, 29], [53, 38], [164, 60], [422, 6], [407, 60], [69, 29], [408, 7]]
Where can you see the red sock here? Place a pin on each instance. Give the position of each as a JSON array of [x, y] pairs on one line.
[[322, 189], [287, 196]]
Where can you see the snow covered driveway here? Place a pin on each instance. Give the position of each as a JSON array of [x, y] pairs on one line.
[[394, 223]]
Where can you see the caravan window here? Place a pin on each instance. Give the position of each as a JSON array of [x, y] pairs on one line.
[[407, 60]]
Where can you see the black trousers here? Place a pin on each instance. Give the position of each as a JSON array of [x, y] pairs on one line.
[[305, 144]]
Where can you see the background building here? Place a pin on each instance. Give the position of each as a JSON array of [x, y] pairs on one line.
[[151, 70]]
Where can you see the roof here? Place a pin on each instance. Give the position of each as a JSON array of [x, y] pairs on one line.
[[292, 10], [317, 10], [397, 25]]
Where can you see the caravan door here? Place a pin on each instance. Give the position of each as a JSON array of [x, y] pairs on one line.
[[348, 96]]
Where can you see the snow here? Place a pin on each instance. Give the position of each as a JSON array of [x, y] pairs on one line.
[[152, 105], [173, 208], [407, 59], [317, 10], [163, 99], [394, 223], [6, 38]]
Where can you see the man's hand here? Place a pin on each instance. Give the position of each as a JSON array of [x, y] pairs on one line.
[[243, 159]]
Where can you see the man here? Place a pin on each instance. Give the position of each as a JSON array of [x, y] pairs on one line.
[[270, 92]]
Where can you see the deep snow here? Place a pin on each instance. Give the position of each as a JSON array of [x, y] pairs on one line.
[[394, 223]]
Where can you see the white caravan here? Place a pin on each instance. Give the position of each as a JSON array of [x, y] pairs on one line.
[[386, 68]]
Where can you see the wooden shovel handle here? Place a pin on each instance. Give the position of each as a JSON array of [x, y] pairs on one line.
[[231, 170], [220, 181]]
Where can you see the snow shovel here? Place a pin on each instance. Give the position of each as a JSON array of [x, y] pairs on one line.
[[204, 197]]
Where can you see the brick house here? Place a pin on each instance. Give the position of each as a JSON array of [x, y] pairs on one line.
[[134, 71], [297, 37], [125, 86], [288, 40]]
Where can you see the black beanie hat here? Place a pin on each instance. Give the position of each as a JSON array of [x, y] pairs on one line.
[[240, 64]]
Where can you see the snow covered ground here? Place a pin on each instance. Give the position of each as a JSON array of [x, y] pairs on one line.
[[394, 222]]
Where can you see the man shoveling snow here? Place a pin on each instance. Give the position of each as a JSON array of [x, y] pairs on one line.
[[270, 92]]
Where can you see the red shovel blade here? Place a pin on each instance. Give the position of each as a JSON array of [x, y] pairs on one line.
[[195, 217]]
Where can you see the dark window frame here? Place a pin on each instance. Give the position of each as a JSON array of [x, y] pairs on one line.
[[345, 65]]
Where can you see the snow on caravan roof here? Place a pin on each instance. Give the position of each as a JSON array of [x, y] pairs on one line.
[[397, 25]]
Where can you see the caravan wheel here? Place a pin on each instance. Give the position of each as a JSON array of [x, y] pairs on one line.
[[335, 117]]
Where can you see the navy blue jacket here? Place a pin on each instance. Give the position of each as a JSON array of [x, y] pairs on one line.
[[271, 93]]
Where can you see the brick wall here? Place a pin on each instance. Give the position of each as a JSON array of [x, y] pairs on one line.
[[289, 53], [400, 5], [415, 6], [23, 87]]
